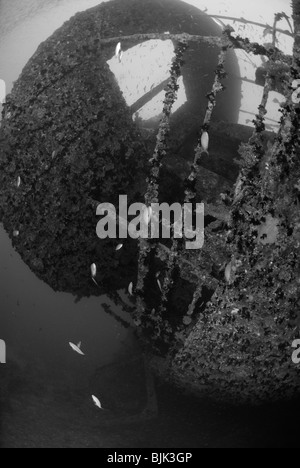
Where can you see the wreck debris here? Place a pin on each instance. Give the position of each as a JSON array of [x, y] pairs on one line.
[[155, 162]]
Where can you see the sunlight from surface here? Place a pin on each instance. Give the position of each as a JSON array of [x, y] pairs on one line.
[[147, 65], [255, 11], [154, 107], [262, 13], [143, 69], [19, 43]]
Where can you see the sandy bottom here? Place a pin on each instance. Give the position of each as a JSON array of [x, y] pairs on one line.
[[50, 416]]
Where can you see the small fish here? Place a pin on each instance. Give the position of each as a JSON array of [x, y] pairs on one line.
[[16, 233], [119, 247], [19, 181], [130, 289], [228, 270], [94, 274], [94, 270], [205, 141], [97, 402], [148, 214], [159, 285], [118, 50], [77, 348], [231, 269]]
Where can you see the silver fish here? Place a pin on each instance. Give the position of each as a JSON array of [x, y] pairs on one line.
[[77, 348], [118, 50], [16, 233], [94, 270], [231, 269], [19, 181], [148, 214], [228, 271], [97, 402], [119, 247], [130, 289], [159, 285], [205, 141]]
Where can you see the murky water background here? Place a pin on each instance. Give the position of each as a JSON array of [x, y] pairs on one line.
[[37, 323], [24, 24]]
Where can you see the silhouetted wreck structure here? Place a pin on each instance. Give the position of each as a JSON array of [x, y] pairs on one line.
[[223, 322]]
